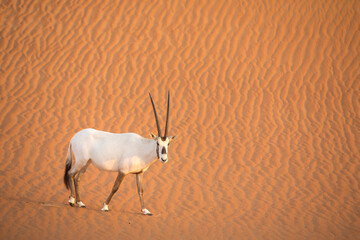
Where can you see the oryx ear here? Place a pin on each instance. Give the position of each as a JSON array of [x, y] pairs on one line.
[[171, 138], [153, 136]]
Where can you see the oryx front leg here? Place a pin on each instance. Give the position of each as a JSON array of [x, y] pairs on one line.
[[116, 186], [139, 177]]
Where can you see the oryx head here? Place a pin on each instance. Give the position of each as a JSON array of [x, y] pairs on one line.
[[162, 141]]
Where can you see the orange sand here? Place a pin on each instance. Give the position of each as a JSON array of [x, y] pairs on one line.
[[265, 102]]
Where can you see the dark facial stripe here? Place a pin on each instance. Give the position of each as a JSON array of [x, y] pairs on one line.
[[163, 151], [157, 150]]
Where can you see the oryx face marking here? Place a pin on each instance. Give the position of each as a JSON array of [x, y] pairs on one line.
[[163, 149], [162, 141]]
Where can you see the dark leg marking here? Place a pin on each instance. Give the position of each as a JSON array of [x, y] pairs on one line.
[[139, 177], [76, 178], [119, 179]]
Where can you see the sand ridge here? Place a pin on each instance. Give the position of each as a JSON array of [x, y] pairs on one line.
[[264, 103]]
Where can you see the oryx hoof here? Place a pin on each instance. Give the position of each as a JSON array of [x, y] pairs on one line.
[[146, 212], [72, 201], [105, 208], [81, 204]]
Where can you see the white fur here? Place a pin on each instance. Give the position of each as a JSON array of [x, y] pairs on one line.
[[124, 152], [146, 212], [72, 200], [116, 152], [105, 208]]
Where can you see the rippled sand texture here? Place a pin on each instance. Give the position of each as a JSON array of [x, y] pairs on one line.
[[265, 104]]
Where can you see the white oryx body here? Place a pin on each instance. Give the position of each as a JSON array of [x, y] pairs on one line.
[[125, 153]]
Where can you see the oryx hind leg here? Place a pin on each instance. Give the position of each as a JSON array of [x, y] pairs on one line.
[[76, 179], [72, 190], [116, 186]]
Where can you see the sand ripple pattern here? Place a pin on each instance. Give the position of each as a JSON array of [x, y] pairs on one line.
[[265, 104]]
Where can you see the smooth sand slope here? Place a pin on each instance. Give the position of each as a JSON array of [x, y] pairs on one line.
[[265, 104]]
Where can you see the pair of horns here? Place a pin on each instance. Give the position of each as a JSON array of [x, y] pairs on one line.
[[156, 118]]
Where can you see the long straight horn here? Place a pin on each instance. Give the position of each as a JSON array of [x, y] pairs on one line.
[[156, 118], [167, 115]]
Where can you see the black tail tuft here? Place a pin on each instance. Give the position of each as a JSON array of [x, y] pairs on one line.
[[66, 175]]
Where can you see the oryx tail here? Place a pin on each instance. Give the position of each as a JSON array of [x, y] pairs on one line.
[[68, 165]]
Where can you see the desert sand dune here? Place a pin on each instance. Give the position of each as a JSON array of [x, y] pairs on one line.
[[265, 102]]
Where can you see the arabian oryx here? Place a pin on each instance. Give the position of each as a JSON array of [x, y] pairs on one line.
[[123, 153]]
